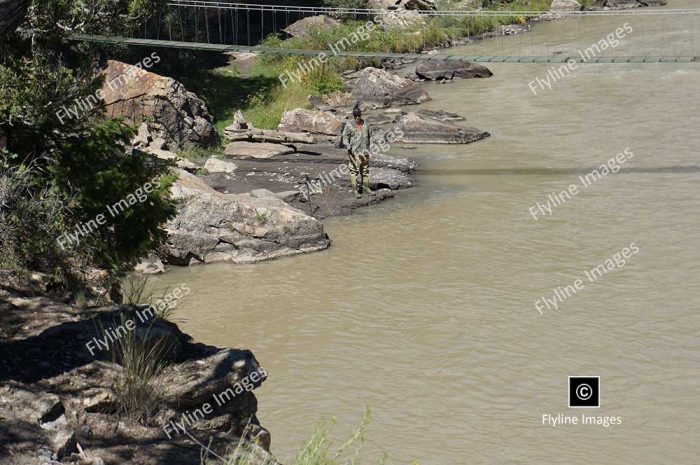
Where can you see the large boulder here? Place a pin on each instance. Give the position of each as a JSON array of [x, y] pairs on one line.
[[401, 19], [305, 26], [382, 88], [170, 111], [444, 69], [421, 129], [313, 121], [565, 5], [244, 228], [334, 101]]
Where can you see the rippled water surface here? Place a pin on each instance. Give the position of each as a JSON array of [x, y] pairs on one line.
[[424, 307]]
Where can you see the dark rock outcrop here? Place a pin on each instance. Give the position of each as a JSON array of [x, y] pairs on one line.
[[436, 70], [170, 111], [61, 403]]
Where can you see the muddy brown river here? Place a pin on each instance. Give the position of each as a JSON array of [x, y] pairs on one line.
[[427, 308]]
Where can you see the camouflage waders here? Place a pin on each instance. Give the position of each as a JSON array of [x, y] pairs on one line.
[[357, 139]]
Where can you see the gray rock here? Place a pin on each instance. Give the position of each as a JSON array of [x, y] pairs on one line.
[[624, 4], [440, 115], [419, 129], [305, 26], [214, 165], [267, 135], [162, 154], [244, 228], [401, 19], [312, 121], [385, 178], [565, 5], [288, 196], [143, 137], [186, 165], [338, 101], [150, 265], [194, 383], [239, 122], [170, 111], [402, 164], [382, 89], [62, 438], [159, 144], [256, 150], [444, 69]]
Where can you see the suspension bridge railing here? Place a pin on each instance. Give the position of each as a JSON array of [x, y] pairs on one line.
[[464, 12], [661, 34]]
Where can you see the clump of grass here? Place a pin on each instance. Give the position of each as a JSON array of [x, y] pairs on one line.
[[316, 451], [262, 217], [136, 389], [135, 294], [196, 152], [134, 289]]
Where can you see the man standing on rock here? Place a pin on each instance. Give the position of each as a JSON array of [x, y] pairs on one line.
[[356, 137]]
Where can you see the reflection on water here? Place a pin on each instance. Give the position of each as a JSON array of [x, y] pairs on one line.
[[423, 309]]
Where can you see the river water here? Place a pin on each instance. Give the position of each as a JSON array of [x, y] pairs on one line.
[[424, 307]]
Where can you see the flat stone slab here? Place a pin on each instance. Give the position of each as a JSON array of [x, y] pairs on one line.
[[214, 165], [256, 149]]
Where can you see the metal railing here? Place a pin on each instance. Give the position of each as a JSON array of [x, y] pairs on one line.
[[371, 12]]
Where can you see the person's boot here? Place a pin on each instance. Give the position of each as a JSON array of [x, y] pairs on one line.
[[353, 183], [365, 184]]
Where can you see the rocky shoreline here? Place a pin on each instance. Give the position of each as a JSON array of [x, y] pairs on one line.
[[61, 398], [274, 185], [264, 196]]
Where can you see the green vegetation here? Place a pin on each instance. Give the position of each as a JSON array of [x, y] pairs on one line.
[[316, 451], [262, 217], [60, 171], [196, 152]]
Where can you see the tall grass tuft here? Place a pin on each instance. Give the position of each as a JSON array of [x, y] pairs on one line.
[[134, 290], [316, 451], [137, 390]]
